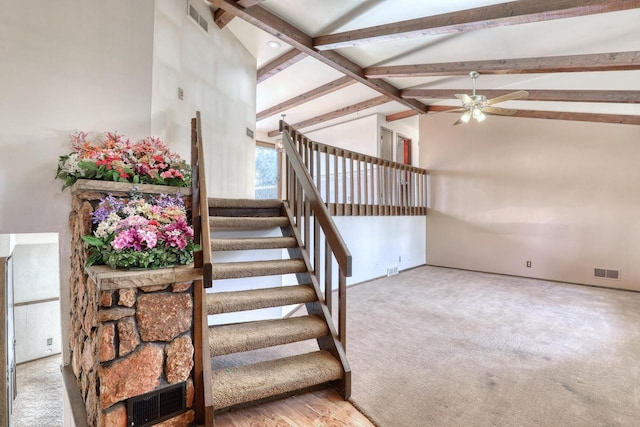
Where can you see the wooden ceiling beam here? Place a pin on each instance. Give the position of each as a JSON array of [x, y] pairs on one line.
[[612, 61], [622, 119], [613, 96], [369, 103], [249, 3], [511, 13], [221, 17], [325, 89], [282, 62], [401, 115], [293, 36]]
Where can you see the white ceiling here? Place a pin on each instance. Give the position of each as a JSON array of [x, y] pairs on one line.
[[608, 32]]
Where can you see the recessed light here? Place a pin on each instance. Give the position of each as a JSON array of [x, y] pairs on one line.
[[273, 44]]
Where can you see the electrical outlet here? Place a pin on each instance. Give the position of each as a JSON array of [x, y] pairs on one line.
[[528, 264], [180, 93], [49, 341]]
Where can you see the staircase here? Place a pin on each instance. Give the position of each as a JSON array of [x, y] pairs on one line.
[[260, 227]]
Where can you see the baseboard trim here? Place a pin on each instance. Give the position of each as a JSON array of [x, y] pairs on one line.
[[532, 278]]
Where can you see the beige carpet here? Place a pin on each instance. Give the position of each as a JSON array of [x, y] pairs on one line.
[[39, 400], [443, 347]]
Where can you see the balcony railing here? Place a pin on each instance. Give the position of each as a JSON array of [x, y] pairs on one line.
[[352, 183]]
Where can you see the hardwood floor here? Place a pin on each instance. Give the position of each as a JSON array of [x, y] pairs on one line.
[[320, 408]]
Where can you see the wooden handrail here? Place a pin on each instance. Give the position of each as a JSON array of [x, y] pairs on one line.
[[307, 211], [200, 193], [202, 259], [312, 196]]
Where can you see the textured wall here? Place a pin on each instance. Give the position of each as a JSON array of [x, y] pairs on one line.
[[218, 76], [67, 65], [560, 194]]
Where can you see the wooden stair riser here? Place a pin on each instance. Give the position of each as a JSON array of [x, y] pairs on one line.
[[252, 243], [244, 223]]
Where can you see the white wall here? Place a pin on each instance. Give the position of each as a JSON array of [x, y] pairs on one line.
[[360, 135], [36, 293], [218, 76], [377, 243], [66, 65], [560, 194]]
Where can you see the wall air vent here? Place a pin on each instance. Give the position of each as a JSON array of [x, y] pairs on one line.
[[606, 273], [197, 18], [150, 408]]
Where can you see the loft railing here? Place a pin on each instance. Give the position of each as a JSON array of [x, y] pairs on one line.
[[202, 259], [311, 217], [357, 184]]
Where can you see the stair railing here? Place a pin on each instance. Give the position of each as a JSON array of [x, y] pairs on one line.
[[358, 184], [202, 259], [310, 214]]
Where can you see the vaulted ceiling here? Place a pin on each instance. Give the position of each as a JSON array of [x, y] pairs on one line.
[[341, 59]]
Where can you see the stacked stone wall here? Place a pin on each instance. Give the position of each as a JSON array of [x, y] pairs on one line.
[[131, 332]]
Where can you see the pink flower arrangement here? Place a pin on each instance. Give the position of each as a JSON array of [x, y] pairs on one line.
[[141, 234], [113, 157]]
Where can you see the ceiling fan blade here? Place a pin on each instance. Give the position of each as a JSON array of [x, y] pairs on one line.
[[508, 97], [466, 99], [464, 118], [453, 110], [499, 111]]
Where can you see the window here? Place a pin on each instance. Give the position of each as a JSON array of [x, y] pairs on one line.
[[266, 186]]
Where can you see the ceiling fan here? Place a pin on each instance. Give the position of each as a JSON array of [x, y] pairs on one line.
[[476, 106]]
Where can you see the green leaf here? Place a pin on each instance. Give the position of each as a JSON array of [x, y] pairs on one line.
[[88, 166], [93, 241], [93, 259]]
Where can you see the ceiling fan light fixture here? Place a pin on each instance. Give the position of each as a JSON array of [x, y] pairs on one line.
[[479, 115], [466, 117]]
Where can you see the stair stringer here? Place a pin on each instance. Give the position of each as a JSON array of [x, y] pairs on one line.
[[330, 342]]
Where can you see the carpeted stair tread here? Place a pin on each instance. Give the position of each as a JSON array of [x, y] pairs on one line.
[[235, 270], [260, 380], [252, 299], [244, 203], [238, 337], [248, 223], [245, 244]]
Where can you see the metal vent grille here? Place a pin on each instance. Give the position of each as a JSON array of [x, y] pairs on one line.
[[199, 20], [606, 273], [204, 24], [194, 13], [150, 408], [600, 272]]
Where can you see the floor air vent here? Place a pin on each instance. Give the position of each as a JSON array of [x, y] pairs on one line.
[[606, 273], [150, 408]]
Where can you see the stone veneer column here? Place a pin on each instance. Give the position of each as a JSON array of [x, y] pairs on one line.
[[131, 331]]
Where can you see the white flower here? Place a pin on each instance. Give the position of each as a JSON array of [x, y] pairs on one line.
[[108, 226], [71, 164]]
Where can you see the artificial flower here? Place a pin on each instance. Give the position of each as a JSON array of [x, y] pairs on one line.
[[139, 233], [113, 157]]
